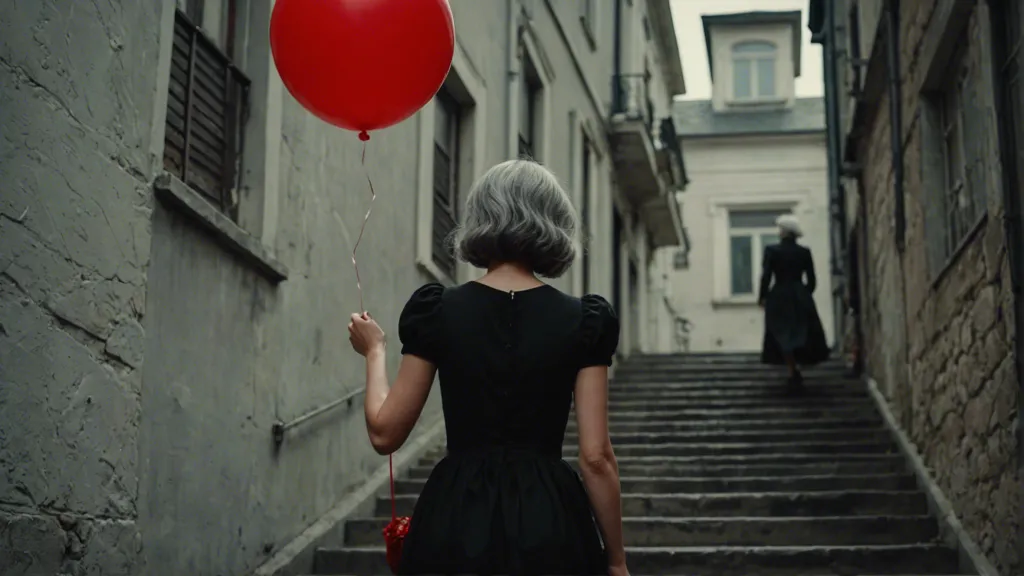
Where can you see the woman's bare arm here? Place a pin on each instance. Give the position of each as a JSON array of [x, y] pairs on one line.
[[599, 468], [392, 412]]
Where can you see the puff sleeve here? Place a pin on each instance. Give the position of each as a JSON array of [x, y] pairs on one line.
[[419, 324], [599, 332]]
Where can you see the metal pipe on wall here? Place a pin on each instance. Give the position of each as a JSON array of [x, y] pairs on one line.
[[896, 116]]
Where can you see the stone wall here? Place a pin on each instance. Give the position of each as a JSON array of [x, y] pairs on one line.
[[74, 249], [939, 341]]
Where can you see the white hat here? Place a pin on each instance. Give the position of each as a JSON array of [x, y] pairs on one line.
[[789, 223]]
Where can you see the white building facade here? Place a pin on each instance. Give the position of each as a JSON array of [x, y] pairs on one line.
[[176, 235], [754, 152]]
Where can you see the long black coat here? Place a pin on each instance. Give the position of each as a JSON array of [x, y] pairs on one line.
[[791, 322]]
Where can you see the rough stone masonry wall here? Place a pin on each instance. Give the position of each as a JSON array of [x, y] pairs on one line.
[[958, 397], [75, 116]]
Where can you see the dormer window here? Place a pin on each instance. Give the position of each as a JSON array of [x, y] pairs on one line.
[[753, 70]]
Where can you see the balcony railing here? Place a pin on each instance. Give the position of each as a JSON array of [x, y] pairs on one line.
[[670, 142], [631, 98]]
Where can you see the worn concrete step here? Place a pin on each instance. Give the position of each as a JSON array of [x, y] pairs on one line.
[[773, 504], [743, 448], [794, 425], [633, 405], [740, 531], [755, 436], [704, 392], [852, 459], [722, 367], [927, 559], [674, 375], [616, 383], [697, 470], [749, 413], [704, 485]]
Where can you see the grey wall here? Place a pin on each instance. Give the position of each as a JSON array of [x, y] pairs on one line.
[[75, 116]]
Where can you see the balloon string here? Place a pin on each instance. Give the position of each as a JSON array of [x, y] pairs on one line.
[[373, 196]]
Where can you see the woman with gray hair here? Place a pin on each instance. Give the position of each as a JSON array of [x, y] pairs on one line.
[[793, 333], [513, 354]]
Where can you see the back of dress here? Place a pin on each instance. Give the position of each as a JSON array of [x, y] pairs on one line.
[[503, 500]]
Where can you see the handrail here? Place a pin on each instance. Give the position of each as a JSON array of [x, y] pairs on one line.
[[279, 428]]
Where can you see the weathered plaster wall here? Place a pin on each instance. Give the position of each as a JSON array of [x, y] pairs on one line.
[[76, 85], [941, 349]]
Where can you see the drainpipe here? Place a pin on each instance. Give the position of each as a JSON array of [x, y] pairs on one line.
[[617, 60], [511, 150], [837, 208], [896, 116]]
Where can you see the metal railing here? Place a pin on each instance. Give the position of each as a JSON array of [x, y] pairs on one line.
[[279, 429], [670, 141], [631, 98]]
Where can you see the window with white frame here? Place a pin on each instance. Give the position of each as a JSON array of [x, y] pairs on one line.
[[529, 104], [750, 231], [588, 17], [447, 119], [753, 70], [585, 184]]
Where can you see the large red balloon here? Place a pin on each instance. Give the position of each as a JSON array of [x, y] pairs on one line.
[[362, 64]]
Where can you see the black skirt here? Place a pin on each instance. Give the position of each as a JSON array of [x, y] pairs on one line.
[[792, 326], [501, 511]]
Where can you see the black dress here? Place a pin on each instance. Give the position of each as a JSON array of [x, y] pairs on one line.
[[503, 501], [791, 322]]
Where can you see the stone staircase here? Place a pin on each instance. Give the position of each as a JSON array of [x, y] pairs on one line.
[[724, 474]]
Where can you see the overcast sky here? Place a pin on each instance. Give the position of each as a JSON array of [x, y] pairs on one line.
[[686, 15]]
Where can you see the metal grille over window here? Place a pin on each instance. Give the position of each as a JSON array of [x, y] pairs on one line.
[[207, 107]]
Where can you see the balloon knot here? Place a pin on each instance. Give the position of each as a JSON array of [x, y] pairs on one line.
[[364, 136]]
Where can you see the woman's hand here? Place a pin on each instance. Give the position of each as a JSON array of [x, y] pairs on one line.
[[365, 335], [618, 570]]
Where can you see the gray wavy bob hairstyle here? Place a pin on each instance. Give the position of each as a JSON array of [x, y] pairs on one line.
[[517, 212]]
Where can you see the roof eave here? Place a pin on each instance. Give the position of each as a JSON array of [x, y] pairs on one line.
[[665, 29]]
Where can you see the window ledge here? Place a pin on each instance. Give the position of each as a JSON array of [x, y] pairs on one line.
[[735, 302], [176, 195], [755, 102], [960, 248]]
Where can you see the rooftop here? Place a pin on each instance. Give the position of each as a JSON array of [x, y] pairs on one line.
[[697, 118]]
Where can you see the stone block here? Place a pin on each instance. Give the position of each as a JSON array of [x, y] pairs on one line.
[[74, 418], [31, 545], [983, 312]]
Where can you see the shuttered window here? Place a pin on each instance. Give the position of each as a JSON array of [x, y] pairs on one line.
[[207, 107], [446, 171]]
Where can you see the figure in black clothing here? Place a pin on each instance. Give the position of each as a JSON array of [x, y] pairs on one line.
[[513, 355], [793, 334]]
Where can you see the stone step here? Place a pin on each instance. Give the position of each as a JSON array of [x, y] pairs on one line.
[[749, 413], [772, 504], [927, 559], [744, 448], [794, 424], [796, 531], [722, 367], [704, 392], [674, 485], [674, 375], [670, 469], [755, 436], [852, 459], [616, 383], [636, 404]]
